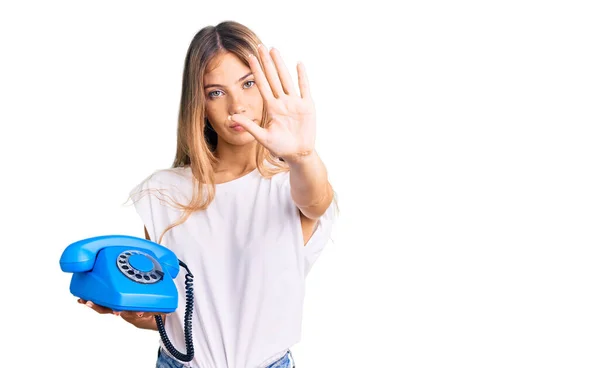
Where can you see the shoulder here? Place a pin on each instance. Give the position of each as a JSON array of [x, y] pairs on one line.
[[162, 182], [168, 176], [174, 175]]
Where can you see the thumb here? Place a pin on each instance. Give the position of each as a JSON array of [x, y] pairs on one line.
[[259, 133]]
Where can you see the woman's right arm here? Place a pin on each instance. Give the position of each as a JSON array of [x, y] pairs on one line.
[[141, 320]]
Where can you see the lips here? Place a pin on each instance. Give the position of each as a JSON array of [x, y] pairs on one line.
[[236, 124]]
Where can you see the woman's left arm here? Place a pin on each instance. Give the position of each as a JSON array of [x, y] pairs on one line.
[[310, 187], [290, 130]]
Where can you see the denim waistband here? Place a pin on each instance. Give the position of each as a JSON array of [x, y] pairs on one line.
[[165, 360]]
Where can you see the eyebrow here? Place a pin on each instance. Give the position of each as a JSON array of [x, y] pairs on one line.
[[218, 85]]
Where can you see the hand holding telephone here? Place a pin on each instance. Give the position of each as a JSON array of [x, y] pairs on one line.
[[126, 273]]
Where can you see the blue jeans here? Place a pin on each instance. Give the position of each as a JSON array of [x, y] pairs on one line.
[[166, 361]]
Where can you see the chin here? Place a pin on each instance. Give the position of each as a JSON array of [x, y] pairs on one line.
[[247, 138], [241, 139]]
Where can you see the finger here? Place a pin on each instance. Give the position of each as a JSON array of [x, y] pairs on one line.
[[260, 79], [284, 74], [259, 133], [270, 71], [303, 81]]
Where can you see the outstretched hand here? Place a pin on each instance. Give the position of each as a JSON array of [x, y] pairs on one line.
[[290, 130]]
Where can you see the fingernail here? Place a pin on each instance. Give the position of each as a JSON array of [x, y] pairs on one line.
[[229, 117], [89, 304]]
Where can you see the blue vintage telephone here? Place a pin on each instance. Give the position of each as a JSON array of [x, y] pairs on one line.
[[126, 273]]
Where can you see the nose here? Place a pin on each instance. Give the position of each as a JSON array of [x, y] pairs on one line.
[[237, 104]]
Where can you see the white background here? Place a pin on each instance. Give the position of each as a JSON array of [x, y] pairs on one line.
[[461, 138]]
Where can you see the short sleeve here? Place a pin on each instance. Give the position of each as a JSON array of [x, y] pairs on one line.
[[323, 229], [150, 199], [320, 237], [143, 204]]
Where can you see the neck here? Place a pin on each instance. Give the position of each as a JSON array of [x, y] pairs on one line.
[[236, 159]]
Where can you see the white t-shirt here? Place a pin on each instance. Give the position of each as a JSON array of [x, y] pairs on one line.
[[247, 255]]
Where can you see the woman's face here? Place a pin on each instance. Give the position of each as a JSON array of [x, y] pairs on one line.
[[229, 88]]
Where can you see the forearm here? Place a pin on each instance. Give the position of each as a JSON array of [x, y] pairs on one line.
[[310, 187]]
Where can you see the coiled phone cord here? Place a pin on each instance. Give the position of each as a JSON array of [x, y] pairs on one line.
[[187, 329]]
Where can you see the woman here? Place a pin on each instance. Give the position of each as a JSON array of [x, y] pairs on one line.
[[246, 205]]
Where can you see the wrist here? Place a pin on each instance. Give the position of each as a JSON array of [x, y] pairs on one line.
[[301, 158]]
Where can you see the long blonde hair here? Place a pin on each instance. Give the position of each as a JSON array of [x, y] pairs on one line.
[[196, 139]]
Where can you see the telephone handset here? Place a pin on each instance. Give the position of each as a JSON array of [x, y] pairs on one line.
[[127, 273]]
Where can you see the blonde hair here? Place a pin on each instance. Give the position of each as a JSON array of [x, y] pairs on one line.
[[196, 140]]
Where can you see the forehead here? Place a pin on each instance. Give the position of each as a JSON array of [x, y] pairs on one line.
[[225, 68]]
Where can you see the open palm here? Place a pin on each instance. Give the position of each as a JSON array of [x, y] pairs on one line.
[[290, 131]]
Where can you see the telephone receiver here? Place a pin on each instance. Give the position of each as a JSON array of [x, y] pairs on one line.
[[127, 273]]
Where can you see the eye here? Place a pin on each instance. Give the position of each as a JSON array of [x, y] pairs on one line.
[[211, 95]]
